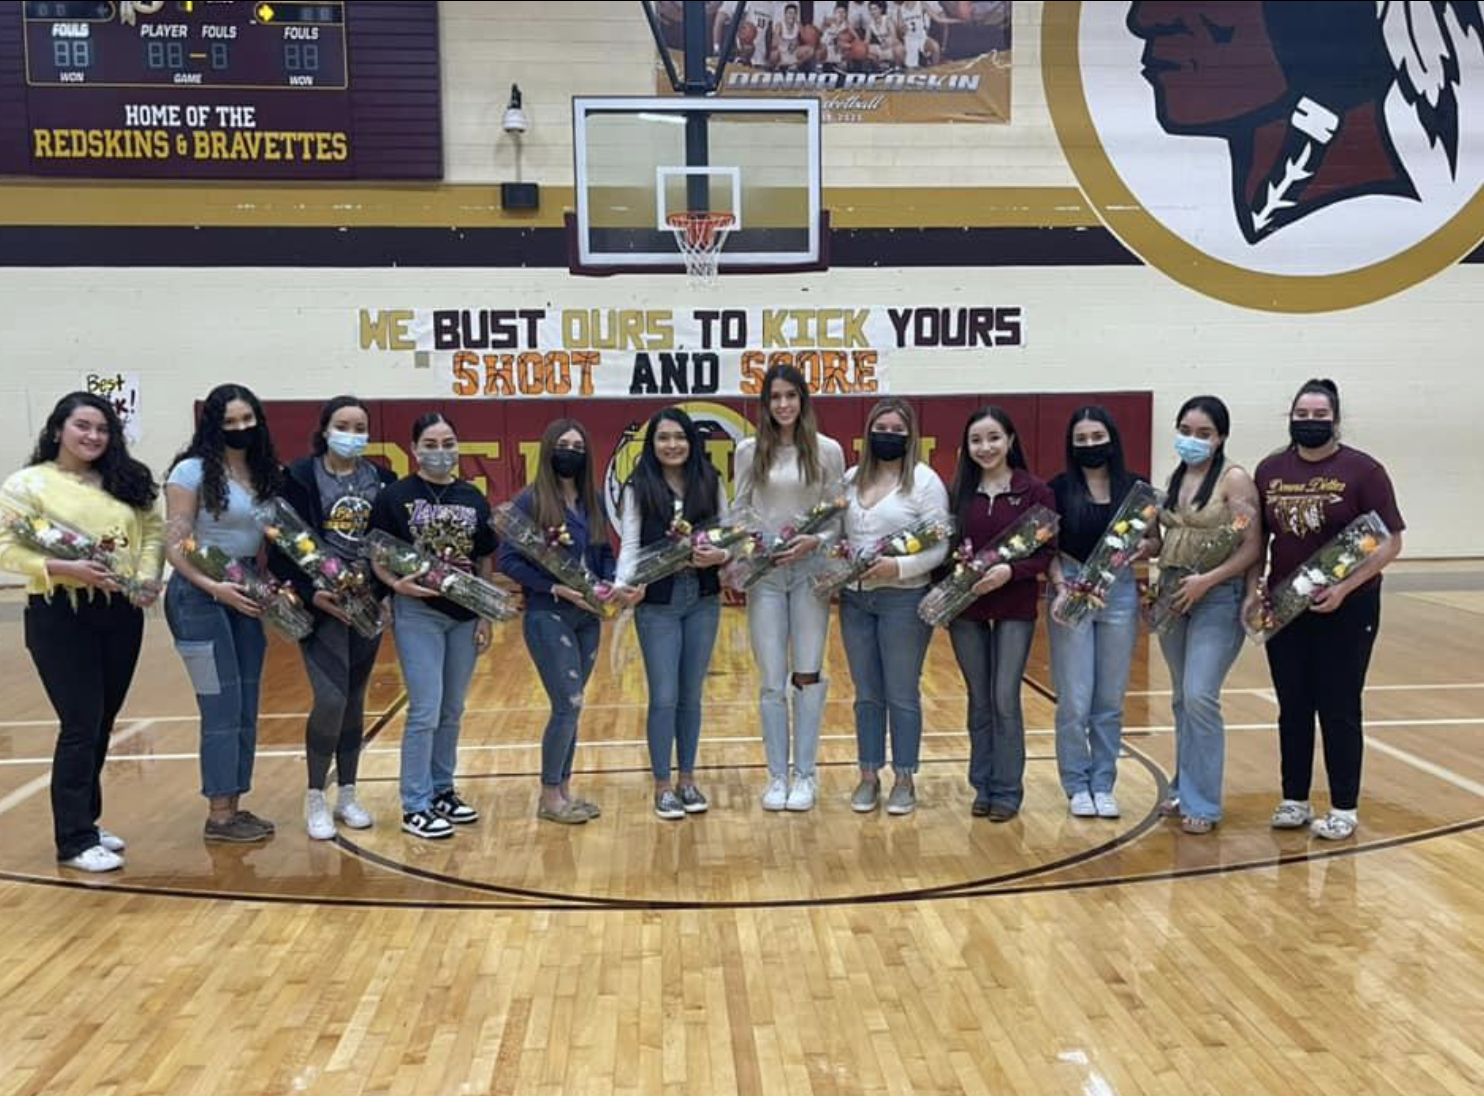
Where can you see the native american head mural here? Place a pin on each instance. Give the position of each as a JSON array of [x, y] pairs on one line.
[[1299, 92]]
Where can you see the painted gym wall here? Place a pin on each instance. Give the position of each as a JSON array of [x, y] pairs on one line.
[[1403, 362]]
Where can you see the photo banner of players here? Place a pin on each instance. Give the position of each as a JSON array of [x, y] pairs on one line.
[[880, 61], [581, 353]]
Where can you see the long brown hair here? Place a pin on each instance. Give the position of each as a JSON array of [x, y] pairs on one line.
[[546, 489], [770, 437], [866, 471]]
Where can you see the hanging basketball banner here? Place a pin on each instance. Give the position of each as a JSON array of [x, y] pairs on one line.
[[918, 61], [624, 353]]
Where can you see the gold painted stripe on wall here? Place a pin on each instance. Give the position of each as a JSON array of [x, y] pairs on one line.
[[478, 206]]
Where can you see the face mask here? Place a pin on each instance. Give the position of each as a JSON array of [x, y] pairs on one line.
[[1311, 433], [241, 439], [1193, 450], [437, 462], [1093, 456], [568, 463], [887, 447], [345, 444]]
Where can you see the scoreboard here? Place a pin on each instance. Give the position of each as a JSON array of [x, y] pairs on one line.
[[221, 89]]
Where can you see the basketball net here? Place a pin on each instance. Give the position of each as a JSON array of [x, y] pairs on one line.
[[700, 238]]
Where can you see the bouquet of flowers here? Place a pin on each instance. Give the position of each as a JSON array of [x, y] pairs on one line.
[[1159, 610], [672, 554], [550, 549], [281, 607], [1288, 600], [955, 593], [846, 565], [439, 575], [57, 540], [346, 582], [762, 551], [1088, 592]]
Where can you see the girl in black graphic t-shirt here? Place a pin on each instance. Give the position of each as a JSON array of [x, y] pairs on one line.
[[1310, 492]]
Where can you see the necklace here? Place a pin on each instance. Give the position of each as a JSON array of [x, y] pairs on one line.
[[434, 493]]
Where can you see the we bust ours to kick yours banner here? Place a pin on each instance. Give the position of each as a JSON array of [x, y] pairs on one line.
[[530, 353]]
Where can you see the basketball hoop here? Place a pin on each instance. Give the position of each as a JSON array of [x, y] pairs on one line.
[[700, 237]]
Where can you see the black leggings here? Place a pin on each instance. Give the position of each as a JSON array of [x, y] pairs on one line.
[[339, 661], [86, 657], [1319, 664]]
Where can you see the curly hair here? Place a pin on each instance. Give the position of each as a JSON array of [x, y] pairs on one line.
[[126, 479], [209, 446]]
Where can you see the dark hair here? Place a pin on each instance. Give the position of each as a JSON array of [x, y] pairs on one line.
[[967, 474], [209, 447], [432, 418], [702, 481], [548, 506], [1215, 410], [1319, 386], [125, 478], [806, 428], [317, 444], [1120, 479]]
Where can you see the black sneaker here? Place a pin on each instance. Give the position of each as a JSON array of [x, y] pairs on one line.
[[236, 830], [448, 805], [426, 824], [253, 820], [692, 799]]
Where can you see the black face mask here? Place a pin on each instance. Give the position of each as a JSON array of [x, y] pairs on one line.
[[568, 463], [1311, 433], [1093, 456], [241, 439], [888, 446]]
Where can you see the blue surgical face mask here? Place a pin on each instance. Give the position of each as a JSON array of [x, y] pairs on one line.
[[345, 444], [1193, 450]]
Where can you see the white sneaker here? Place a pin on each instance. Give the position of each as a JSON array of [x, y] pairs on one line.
[[1105, 805], [1083, 806], [801, 795], [110, 841], [1292, 814], [95, 859], [317, 815], [776, 797], [348, 809]]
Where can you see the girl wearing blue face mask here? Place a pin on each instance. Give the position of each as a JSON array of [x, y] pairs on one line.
[[334, 489], [1206, 494]]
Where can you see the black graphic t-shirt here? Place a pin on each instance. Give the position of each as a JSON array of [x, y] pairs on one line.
[[1305, 504], [451, 521], [346, 503]]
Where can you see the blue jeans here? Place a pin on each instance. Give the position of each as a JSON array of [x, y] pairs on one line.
[[223, 653], [789, 624], [676, 640], [885, 644], [1200, 649], [563, 641], [992, 656], [1090, 668], [437, 655]]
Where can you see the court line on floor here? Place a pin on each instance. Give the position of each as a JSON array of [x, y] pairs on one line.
[[41, 783], [1421, 764], [1148, 731]]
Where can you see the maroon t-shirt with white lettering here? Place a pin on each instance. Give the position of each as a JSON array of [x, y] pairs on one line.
[[1305, 504]]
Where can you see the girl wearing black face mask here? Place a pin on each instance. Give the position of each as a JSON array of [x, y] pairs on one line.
[[1090, 664], [213, 489], [1310, 491], [560, 631]]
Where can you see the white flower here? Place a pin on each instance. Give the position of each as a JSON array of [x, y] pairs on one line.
[[1302, 585]]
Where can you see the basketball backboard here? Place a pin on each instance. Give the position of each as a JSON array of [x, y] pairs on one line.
[[639, 160]]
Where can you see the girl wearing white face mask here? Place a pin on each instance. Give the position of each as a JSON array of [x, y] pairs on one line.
[[1205, 494], [334, 489], [438, 642]]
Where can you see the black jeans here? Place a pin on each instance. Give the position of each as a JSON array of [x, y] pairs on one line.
[[1319, 664], [86, 657]]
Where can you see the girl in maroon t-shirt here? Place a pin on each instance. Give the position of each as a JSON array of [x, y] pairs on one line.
[[1310, 492], [992, 491]]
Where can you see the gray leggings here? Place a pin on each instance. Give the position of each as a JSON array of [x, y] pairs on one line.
[[339, 661]]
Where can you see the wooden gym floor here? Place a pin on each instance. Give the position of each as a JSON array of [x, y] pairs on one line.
[[747, 952]]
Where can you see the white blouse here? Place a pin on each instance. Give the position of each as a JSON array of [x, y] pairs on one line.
[[786, 494], [631, 526], [928, 499]]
